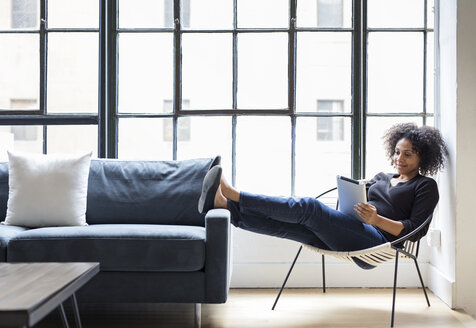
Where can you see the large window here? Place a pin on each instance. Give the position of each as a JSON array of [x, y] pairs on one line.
[[49, 78], [274, 86], [399, 71]]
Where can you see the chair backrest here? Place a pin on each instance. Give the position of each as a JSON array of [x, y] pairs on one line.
[[410, 244], [327, 192], [412, 247]]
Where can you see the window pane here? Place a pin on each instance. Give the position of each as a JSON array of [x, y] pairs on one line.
[[324, 13], [145, 72], [207, 137], [395, 72], [210, 14], [324, 69], [207, 70], [72, 139], [20, 72], [73, 72], [252, 13], [144, 139], [376, 159], [262, 70], [395, 13], [318, 162], [73, 13], [430, 73], [25, 138], [149, 14], [263, 161]]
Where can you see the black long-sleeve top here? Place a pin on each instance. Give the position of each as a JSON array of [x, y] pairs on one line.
[[410, 202]]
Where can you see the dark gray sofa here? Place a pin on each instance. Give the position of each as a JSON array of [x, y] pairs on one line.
[[145, 231]]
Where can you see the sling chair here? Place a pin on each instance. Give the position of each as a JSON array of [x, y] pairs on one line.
[[402, 247]]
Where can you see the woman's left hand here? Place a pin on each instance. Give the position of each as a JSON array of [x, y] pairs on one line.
[[367, 212]]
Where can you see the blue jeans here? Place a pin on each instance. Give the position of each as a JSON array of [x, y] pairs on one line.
[[305, 220]]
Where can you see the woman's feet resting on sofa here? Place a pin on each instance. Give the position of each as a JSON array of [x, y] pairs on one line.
[[216, 191], [210, 185], [225, 191]]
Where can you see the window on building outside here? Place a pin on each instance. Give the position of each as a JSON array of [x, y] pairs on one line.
[[184, 124], [330, 128], [24, 13], [169, 13], [24, 132], [330, 13]]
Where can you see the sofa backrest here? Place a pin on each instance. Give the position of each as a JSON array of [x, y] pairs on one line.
[[149, 192]]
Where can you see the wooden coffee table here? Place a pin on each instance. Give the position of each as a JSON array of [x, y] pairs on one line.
[[30, 291]]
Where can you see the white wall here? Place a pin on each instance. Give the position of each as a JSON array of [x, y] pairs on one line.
[[454, 263], [465, 288], [442, 268]]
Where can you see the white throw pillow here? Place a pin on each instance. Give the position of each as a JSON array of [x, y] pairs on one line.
[[47, 190]]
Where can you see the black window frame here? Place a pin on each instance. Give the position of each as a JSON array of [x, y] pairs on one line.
[[108, 116]]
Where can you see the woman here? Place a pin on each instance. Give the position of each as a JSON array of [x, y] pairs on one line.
[[397, 203]]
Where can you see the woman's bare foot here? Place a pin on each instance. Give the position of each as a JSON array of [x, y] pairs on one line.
[[228, 191], [220, 200]]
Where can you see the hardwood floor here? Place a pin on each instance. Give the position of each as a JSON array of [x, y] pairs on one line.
[[339, 307]]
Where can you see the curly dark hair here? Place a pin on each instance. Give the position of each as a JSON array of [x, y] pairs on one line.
[[426, 141]]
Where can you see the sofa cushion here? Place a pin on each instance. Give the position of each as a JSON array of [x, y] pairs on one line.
[[47, 190], [118, 247], [146, 192], [7, 233]]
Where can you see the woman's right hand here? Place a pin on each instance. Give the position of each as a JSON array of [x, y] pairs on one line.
[[367, 212]]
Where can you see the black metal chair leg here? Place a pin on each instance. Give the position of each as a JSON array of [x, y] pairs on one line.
[[323, 274], [286, 279], [394, 289], [421, 280]]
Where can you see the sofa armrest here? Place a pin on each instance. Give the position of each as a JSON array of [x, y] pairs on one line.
[[218, 259]]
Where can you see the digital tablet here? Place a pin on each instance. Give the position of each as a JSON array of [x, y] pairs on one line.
[[350, 193]]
